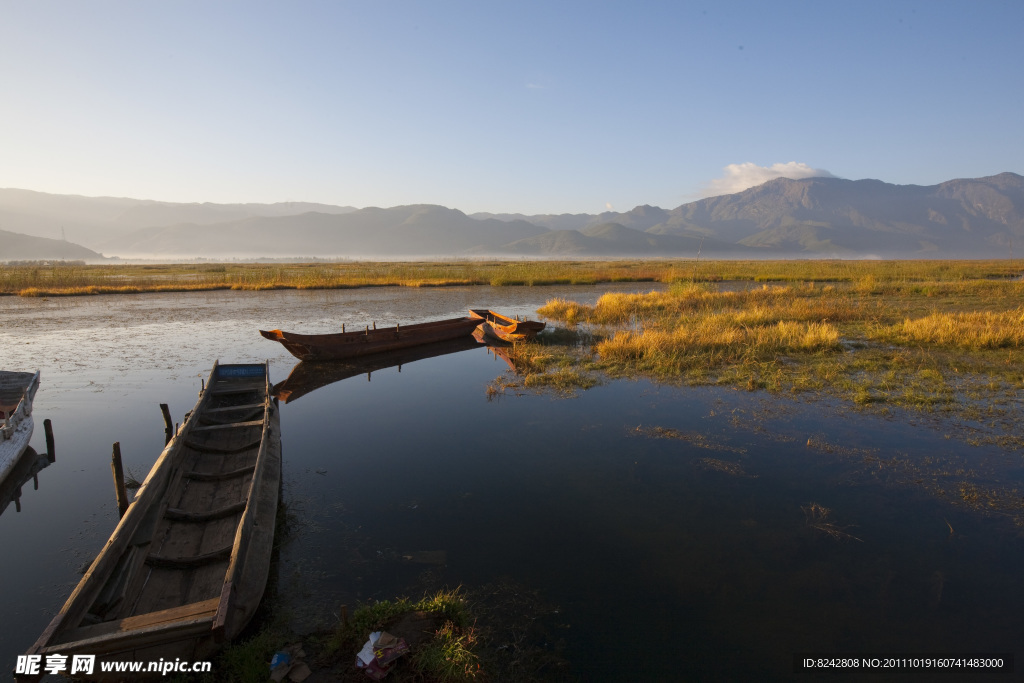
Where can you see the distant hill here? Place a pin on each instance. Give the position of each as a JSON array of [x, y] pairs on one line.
[[417, 230], [97, 220], [17, 247], [808, 218], [615, 239], [832, 217]]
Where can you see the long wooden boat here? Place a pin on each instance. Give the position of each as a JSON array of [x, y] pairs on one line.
[[308, 376], [341, 345], [187, 565], [17, 391], [496, 325]]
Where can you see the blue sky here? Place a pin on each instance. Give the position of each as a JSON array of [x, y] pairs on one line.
[[533, 107]]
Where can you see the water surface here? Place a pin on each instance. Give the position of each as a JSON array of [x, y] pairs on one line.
[[693, 557]]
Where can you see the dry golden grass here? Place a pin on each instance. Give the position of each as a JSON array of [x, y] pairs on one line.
[[719, 337], [939, 278], [948, 346], [972, 330]]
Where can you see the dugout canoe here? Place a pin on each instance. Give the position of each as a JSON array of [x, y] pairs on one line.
[[497, 326], [342, 345], [187, 565], [17, 391]]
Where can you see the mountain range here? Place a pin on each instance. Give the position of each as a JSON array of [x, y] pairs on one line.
[[783, 218]]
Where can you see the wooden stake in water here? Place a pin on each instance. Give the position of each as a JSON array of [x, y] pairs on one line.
[[118, 472], [168, 423], [51, 451]]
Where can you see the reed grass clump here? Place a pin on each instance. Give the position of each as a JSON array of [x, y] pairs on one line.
[[969, 330], [714, 341], [942, 336]]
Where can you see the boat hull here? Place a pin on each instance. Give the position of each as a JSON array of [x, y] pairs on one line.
[[325, 347], [14, 444], [187, 565], [17, 391], [500, 327]]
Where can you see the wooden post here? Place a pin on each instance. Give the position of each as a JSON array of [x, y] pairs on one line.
[[168, 423], [118, 471], [51, 451], [374, 324], [343, 328]]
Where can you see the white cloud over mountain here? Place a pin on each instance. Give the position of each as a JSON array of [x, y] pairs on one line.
[[739, 177]]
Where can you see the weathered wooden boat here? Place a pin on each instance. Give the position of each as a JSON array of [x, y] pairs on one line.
[[187, 565], [17, 391], [342, 345], [308, 376], [498, 326]]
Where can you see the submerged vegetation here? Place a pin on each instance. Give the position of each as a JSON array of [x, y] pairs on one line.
[[70, 278]]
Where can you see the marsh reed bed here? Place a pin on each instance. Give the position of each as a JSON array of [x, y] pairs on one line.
[[949, 353], [62, 280], [68, 279], [883, 342]]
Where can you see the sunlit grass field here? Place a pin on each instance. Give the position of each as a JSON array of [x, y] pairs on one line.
[[953, 344], [931, 277]]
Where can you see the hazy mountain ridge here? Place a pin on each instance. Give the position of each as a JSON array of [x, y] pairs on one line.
[[398, 231], [97, 220], [18, 247], [813, 217]]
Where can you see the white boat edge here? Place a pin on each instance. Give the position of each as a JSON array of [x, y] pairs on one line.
[[16, 431]]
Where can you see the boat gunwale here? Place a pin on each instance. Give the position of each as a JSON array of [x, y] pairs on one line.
[[361, 335], [346, 345]]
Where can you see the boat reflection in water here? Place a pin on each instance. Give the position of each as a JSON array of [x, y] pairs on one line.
[[27, 467], [309, 376]]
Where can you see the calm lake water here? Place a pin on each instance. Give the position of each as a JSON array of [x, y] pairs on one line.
[[609, 551]]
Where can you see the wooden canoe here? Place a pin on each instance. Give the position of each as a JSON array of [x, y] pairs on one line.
[[187, 565], [496, 325], [308, 376], [17, 391], [342, 345]]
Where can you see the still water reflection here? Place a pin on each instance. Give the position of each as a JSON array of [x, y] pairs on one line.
[[661, 533]]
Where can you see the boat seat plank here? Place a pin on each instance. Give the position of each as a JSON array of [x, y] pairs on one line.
[[196, 610], [228, 425], [189, 561], [234, 389], [245, 406], [187, 516], [220, 476], [209, 448]]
